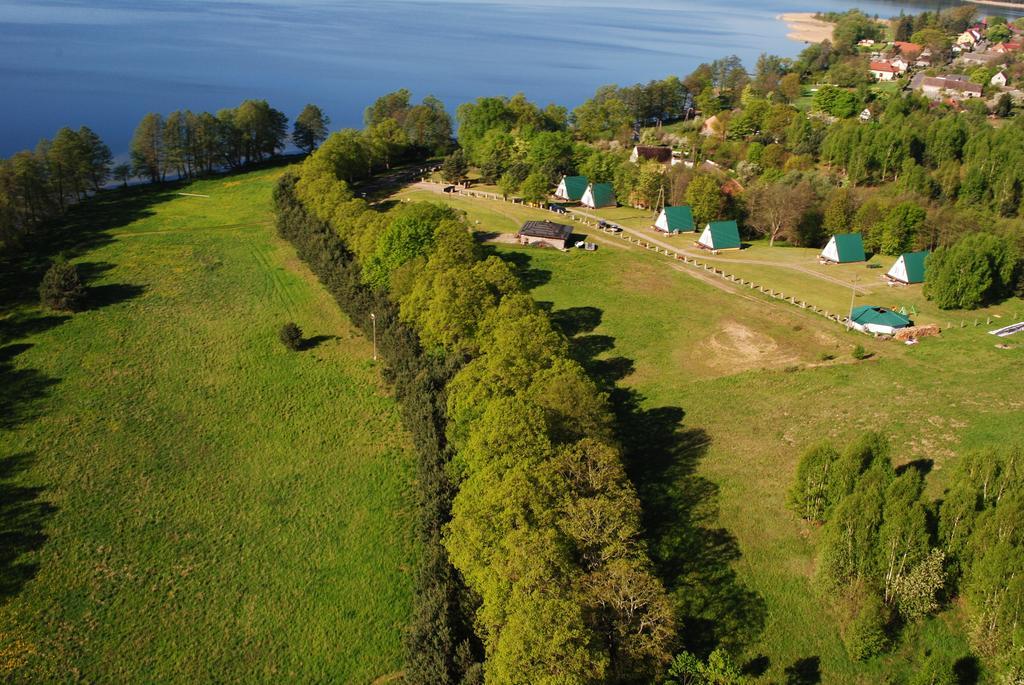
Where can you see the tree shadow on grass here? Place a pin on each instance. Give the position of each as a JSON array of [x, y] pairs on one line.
[[99, 296], [23, 515], [530, 276], [806, 671], [691, 553], [24, 390], [313, 342]]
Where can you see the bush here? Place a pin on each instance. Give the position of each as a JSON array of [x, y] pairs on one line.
[[977, 270], [859, 352], [62, 287], [867, 637], [291, 336]]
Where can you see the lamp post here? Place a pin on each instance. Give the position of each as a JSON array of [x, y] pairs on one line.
[[373, 318], [853, 295]]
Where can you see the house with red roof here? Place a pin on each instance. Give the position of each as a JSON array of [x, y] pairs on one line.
[[884, 71]]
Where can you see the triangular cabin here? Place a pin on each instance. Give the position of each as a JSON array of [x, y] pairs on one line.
[[675, 220], [844, 248], [878, 320], [909, 268], [720, 235], [571, 188], [598, 195]]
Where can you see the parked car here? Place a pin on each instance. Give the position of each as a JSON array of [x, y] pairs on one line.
[[558, 209], [448, 189]]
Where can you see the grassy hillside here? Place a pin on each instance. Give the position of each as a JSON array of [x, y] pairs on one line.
[[722, 392], [185, 500], [721, 389]]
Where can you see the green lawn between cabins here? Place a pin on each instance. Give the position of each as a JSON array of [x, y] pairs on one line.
[[752, 383], [195, 503]]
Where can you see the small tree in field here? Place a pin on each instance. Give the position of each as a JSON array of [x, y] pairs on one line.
[[291, 336], [62, 287]]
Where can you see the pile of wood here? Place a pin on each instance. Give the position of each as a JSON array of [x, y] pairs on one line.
[[914, 332]]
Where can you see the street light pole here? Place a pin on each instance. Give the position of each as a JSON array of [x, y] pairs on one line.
[[373, 318], [853, 295]]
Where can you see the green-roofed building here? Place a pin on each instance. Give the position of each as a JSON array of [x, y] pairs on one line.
[[720, 235], [844, 248], [909, 268], [675, 220], [877, 320], [598, 195], [571, 188]]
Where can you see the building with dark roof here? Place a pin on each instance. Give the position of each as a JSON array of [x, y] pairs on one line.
[[545, 233], [654, 153]]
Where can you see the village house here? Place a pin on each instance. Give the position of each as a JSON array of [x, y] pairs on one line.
[[924, 60], [545, 234], [884, 71], [1006, 48], [865, 114], [598, 195], [711, 126], [877, 320], [968, 39], [654, 153], [843, 248], [720, 235], [908, 50], [675, 220], [909, 268], [949, 86], [571, 188], [999, 79]]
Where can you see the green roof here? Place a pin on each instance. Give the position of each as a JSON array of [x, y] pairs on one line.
[[725, 235], [575, 186], [914, 261], [849, 247], [879, 316], [603, 193], [679, 218]]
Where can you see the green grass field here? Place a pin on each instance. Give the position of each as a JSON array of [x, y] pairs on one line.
[[183, 500], [725, 389]]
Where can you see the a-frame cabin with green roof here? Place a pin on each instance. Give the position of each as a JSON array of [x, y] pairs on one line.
[[571, 188], [675, 220], [909, 268], [844, 248], [720, 235], [598, 195]]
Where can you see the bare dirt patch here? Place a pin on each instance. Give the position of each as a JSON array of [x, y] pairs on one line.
[[735, 347]]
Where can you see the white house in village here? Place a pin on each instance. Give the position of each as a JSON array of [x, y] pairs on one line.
[[999, 79], [884, 71]]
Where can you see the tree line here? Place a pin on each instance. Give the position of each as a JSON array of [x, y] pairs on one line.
[[895, 557], [39, 184], [543, 526]]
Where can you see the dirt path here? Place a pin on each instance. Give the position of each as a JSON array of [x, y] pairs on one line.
[[704, 255]]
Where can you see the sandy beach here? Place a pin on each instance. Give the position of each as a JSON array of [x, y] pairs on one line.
[[805, 28]]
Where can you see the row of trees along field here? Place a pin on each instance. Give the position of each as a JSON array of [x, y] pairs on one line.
[[36, 185], [544, 524], [40, 184], [895, 557]]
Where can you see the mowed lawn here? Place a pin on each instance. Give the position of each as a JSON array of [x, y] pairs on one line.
[[751, 385], [184, 499]]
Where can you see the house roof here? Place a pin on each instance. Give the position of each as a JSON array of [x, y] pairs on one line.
[[905, 47], [957, 83], [724, 235], [914, 263], [1007, 47], [880, 316], [656, 152], [575, 186], [849, 247], [546, 229], [884, 66], [679, 218], [603, 194]]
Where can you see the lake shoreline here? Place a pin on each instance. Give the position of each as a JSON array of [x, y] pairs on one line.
[[804, 27]]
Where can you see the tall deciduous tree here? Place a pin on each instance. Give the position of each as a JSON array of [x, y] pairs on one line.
[[310, 128], [775, 209], [147, 148]]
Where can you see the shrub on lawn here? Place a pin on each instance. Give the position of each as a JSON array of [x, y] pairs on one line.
[[867, 636], [291, 336], [62, 287], [860, 353]]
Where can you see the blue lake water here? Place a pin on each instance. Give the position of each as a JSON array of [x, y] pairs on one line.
[[105, 63]]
